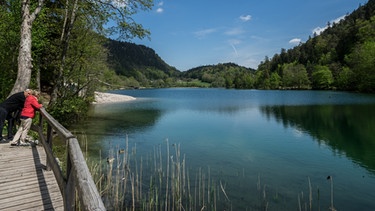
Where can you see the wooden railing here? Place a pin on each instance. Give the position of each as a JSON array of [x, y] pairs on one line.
[[77, 180]]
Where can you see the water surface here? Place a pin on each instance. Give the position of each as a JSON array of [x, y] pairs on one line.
[[278, 139]]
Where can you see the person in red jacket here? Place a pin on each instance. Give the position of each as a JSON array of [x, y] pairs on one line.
[[27, 115], [12, 104]]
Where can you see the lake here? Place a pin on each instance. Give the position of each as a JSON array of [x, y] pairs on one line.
[[274, 150]]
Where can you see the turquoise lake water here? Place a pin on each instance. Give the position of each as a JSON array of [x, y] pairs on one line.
[[278, 140]]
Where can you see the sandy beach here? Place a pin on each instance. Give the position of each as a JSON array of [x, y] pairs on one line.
[[101, 97]]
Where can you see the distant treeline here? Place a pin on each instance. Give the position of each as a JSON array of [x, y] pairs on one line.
[[341, 57], [71, 62]]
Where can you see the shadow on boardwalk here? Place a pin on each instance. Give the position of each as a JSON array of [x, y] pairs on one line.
[[24, 182]]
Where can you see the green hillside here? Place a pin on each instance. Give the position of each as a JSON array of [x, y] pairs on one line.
[[228, 75], [139, 62], [342, 57]]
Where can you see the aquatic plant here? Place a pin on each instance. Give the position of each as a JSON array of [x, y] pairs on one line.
[[161, 180]]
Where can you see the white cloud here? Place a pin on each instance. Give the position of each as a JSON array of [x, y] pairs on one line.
[[202, 33], [339, 19], [160, 7], [319, 30], [159, 10], [245, 18], [295, 41]]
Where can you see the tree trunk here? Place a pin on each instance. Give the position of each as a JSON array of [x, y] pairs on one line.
[[24, 56], [65, 36]]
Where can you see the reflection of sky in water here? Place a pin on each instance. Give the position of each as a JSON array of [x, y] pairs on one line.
[[229, 132]]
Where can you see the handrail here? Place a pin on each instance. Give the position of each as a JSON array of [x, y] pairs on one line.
[[78, 180]]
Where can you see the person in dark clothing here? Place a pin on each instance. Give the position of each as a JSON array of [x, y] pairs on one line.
[[12, 120], [11, 104]]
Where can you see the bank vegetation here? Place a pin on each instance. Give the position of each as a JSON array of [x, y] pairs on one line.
[[69, 56]]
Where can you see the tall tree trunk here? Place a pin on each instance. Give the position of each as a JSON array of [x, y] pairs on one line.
[[24, 56], [65, 36]]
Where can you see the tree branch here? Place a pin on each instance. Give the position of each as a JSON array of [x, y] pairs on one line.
[[37, 10]]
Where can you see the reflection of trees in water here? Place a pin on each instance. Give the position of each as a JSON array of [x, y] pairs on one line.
[[112, 123], [347, 129], [116, 123]]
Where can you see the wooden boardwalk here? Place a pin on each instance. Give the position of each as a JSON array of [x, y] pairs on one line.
[[24, 182]]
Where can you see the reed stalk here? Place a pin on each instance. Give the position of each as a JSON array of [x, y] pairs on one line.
[[184, 176], [196, 188], [208, 186], [222, 189], [310, 194], [167, 183], [331, 180], [172, 188], [200, 187], [203, 190], [133, 192], [189, 200], [155, 159], [140, 179]]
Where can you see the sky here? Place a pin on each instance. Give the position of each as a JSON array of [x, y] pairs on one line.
[[191, 33]]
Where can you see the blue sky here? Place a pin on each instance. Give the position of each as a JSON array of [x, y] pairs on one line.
[[192, 33]]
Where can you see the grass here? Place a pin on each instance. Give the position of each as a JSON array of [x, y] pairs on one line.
[[166, 184], [162, 180]]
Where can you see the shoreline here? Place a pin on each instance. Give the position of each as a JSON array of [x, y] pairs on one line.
[[102, 98]]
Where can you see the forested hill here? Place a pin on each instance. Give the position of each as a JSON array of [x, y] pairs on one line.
[[227, 75], [132, 60], [146, 68], [341, 57]]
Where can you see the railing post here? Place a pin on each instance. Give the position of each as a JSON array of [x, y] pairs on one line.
[[78, 179], [49, 144], [70, 192]]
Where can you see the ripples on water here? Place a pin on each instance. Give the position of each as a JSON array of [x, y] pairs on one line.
[[247, 137]]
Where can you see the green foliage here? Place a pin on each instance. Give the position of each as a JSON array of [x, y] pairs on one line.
[[70, 110], [9, 41], [192, 83], [275, 81], [139, 62], [343, 45], [343, 56], [322, 77], [362, 63], [295, 76], [131, 82], [228, 75], [345, 80]]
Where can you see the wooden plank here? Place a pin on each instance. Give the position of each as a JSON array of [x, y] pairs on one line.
[[24, 183]]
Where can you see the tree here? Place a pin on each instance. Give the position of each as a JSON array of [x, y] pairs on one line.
[[345, 79], [322, 77], [275, 80], [24, 55], [295, 76], [94, 15], [362, 61], [263, 74], [9, 42]]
